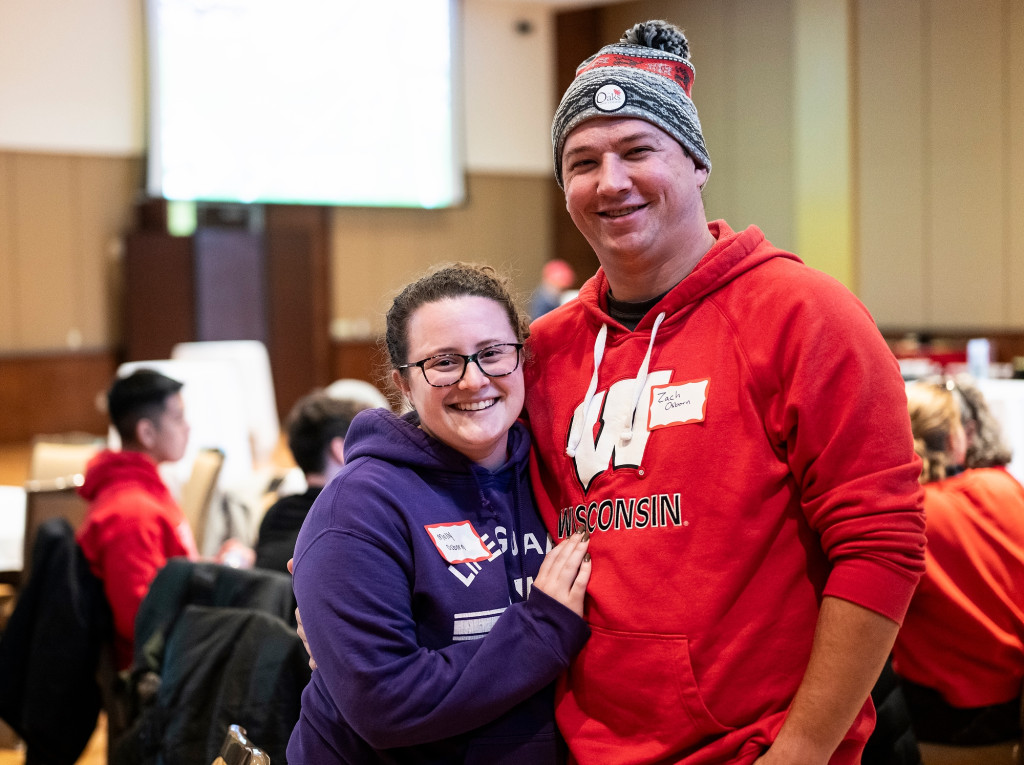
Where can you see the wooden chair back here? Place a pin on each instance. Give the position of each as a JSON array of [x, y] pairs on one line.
[[44, 500], [198, 492], [52, 459]]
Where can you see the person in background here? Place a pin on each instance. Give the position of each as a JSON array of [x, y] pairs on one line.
[[133, 524], [436, 611], [960, 652], [986, 446], [731, 429], [361, 393], [317, 426], [556, 278]]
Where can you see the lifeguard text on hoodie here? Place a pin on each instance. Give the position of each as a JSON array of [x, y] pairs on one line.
[[743, 452]]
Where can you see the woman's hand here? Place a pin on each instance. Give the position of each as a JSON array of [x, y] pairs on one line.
[[565, 572], [301, 632]]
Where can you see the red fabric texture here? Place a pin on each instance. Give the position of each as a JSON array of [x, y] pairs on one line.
[[964, 632]]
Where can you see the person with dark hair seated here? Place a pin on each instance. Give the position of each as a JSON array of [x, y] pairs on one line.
[[317, 426], [134, 525]]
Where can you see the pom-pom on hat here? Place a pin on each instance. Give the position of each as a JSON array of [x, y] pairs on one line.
[[647, 75]]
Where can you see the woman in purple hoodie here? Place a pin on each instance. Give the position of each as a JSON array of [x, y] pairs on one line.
[[437, 621]]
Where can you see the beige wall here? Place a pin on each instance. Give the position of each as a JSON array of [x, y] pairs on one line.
[[772, 89], [882, 141], [745, 91], [940, 173], [374, 252], [71, 148], [61, 218]]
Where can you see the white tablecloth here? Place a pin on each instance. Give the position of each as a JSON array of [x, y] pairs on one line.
[[12, 527]]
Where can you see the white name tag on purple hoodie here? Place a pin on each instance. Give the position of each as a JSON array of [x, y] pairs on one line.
[[458, 542]]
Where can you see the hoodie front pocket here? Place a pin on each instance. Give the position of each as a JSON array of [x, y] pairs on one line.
[[641, 689]]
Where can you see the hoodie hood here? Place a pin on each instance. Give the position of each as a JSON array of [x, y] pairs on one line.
[[124, 469], [399, 440], [731, 255]]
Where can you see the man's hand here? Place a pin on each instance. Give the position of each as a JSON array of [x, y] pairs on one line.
[[850, 649]]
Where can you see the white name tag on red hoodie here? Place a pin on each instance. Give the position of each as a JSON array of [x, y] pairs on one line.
[[677, 404], [458, 542]]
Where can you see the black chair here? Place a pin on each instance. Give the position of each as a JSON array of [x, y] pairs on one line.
[[215, 646], [50, 652]]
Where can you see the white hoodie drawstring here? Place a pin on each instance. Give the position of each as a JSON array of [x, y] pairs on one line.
[[576, 434], [641, 381]]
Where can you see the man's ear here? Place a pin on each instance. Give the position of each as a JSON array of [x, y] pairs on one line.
[[337, 449], [702, 176], [145, 433]]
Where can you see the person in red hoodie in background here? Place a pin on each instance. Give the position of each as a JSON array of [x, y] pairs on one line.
[[134, 523], [960, 653]]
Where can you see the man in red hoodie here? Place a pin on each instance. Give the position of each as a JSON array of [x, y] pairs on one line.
[[134, 524], [730, 427]]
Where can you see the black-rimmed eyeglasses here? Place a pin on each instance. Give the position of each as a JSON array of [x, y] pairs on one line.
[[448, 368]]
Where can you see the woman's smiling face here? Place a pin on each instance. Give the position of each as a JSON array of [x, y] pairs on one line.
[[472, 416]]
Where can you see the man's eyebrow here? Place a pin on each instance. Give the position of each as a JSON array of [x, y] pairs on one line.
[[576, 150], [637, 137]]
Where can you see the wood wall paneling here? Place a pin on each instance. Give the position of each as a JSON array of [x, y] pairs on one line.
[[53, 393], [60, 220], [821, 144], [762, 47], [297, 273], [505, 223], [1013, 140], [229, 289], [578, 35], [362, 360], [103, 194], [159, 306], [8, 305], [46, 276]]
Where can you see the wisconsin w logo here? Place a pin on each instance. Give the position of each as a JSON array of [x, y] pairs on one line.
[[602, 446]]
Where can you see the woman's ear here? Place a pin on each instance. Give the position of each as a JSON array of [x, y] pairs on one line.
[[400, 382]]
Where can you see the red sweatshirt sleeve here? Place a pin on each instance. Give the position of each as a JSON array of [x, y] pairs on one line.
[[840, 409]]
